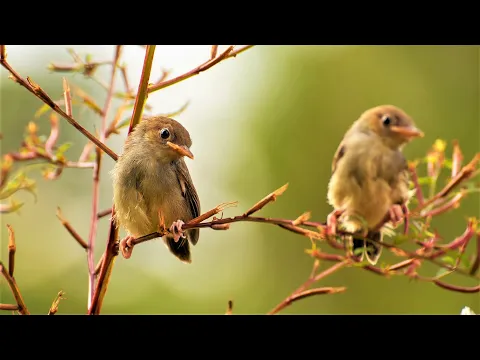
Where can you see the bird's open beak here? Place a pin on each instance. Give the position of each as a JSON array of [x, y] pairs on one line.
[[407, 131], [182, 150]]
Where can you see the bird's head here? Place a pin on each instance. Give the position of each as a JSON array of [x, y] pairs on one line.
[[167, 138], [394, 127]]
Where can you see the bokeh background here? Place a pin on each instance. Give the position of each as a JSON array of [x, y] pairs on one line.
[[272, 115]]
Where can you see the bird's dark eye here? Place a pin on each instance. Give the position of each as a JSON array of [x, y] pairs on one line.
[[164, 133], [386, 120]]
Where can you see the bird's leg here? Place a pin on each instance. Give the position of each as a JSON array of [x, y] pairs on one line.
[[176, 230], [126, 246], [396, 213], [332, 222]]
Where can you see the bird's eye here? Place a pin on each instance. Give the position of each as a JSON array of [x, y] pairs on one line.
[[164, 133], [386, 120]]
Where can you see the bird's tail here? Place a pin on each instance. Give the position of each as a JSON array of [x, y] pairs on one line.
[[372, 250], [181, 248]]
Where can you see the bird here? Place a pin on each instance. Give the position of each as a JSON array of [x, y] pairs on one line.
[[369, 178], [152, 186]]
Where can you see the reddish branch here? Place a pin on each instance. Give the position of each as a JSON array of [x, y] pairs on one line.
[[111, 250], [429, 249], [36, 90], [96, 180], [302, 291], [229, 53]]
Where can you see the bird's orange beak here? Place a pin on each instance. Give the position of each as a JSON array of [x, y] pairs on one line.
[[407, 131], [182, 150]]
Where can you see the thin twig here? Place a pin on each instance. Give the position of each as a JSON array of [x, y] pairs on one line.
[[213, 52], [111, 251], [229, 53], [96, 181], [12, 248], [22, 308], [42, 95], [300, 292], [142, 92], [9, 307], [71, 230], [104, 213], [54, 308], [476, 263]]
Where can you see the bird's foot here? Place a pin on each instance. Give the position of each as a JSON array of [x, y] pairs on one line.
[[176, 230], [332, 222], [126, 246], [397, 214]]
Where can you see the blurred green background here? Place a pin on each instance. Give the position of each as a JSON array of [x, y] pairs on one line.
[[272, 115]]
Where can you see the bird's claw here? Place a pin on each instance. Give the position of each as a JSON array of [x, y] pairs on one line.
[[126, 246], [332, 222], [397, 214], [176, 230]]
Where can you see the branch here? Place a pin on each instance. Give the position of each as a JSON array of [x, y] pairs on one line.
[[301, 293], [12, 248], [111, 251], [96, 182], [142, 93], [222, 224], [21, 307], [71, 230], [54, 308], [229, 53], [9, 307], [36, 90]]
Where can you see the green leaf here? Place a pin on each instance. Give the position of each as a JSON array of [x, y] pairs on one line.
[[400, 239], [425, 180], [124, 123], [442, 272], [43, 109], [63, 148], [449, 260], [18, 182], [447, 163], [465, 261], [12, 207]]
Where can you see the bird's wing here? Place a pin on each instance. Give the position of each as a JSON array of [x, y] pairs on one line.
[[400, 193], [338, 155], [190, 195]]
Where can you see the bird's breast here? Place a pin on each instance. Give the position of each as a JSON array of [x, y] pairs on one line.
[[359, 186]]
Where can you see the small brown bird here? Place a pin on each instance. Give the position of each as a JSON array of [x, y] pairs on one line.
[[370, 177], [152, 186]]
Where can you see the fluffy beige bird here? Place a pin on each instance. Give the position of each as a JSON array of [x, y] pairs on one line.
[[152, 186], [370, 177]]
